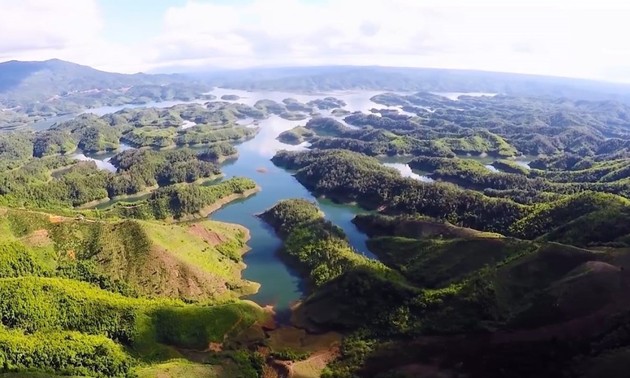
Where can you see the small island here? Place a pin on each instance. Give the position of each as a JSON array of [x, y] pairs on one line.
[[296, 135], [230, 97], [327, 103]]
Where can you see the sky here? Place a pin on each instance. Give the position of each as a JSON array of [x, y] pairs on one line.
[[574, 38]]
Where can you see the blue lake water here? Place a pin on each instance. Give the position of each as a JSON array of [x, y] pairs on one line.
[[280, 286]]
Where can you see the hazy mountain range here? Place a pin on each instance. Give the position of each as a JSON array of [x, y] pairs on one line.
[[40, 81]]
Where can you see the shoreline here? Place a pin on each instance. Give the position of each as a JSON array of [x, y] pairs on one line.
[[144, 192], [207, 210], [94, 204]]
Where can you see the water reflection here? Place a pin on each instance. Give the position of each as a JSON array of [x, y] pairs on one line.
[[100, 163], [280, 286], [406, 171]]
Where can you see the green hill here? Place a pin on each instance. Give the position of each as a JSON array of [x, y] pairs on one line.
[[583, 219], [190, 261], [128, 311]]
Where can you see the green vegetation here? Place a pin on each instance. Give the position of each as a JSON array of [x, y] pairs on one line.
[[571, 219], [481, 142], [139, 169], [36, 91], [480, 273], [202, 136], [472, 174], [92, 134], [59, 182], [180, 201], [15, 149], [67, 353], [583, 219], [53, 142], [510, 166], [296, 135], [504, 286], [347, 176], [437, 279], [219, 152], [133, 274], [316, 245], [195, 261], [290, 355]]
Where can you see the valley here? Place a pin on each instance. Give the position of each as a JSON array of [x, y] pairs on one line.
[[315, 233]]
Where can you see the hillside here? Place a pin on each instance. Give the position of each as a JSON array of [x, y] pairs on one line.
[[200, 261], [121, 294], [31, 91], [440, 285], [331, 78]]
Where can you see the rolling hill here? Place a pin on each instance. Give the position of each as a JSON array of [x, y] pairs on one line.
[[55, 87]]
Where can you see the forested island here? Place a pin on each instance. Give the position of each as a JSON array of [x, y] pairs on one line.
[[513, 271], [504, 254]]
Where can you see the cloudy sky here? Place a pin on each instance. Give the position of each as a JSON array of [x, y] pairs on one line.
[[556, 37]]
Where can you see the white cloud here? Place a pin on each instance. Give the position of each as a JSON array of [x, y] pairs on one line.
[[68, 29], [559, 37], [29, 26]]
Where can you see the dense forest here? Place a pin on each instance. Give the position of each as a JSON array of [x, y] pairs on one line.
[[525, 259], [531, 307], [502, 253]]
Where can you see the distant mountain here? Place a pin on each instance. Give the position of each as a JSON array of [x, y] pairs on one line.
[[55, 77], [53, 87], [327, 78]]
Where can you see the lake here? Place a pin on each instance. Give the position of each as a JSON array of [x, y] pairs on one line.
[[280, 285]]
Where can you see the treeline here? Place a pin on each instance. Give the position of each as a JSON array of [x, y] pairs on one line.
[[90, 132], [472, 174], [444, 291], [218, 152], [317, 246], [583, 219], [74, 328], [456, 282], [181, 125], [139, 169], [66, 312], [348, 290], [488, 288], [393, 134], [527, 186], [71, 184], [560, 212], [179, 201], [61, 182], [532, 126], [66, 352], [347, 176]]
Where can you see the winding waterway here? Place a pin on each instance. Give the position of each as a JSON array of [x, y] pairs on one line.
[[280, 285]]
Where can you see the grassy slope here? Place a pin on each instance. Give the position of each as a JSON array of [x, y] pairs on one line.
[[180, 368], [438, 262], [193, 261], [532, 291], [190, 261], [160, 260], [149, 327], [582, 219]]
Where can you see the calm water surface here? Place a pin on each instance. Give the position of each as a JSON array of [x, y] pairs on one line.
[[280, 286]]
